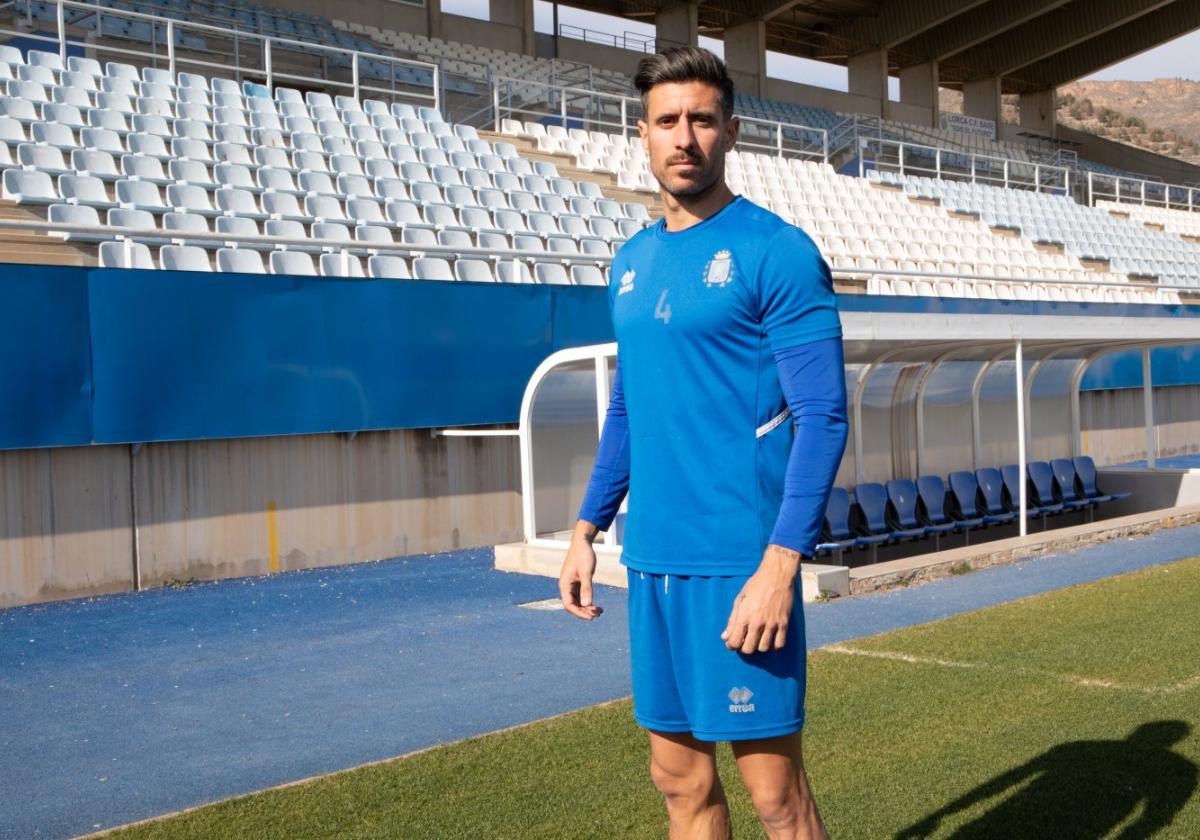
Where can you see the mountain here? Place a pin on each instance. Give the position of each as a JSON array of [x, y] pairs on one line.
[[1162, 116]]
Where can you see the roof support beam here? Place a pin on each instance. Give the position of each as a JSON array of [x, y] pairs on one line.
[[1052, 33], [898, 22], [1115, 45], [987, 22]]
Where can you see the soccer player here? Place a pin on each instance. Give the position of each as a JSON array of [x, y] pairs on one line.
[[726, 425]]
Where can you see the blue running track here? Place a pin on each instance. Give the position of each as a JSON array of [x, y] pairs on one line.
[[128, 706]]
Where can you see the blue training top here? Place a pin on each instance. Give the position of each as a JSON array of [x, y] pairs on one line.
[[700, 315]]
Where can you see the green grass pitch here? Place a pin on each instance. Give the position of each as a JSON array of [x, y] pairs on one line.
[[1072, 714]]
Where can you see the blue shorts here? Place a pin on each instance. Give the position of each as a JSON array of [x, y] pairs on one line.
[[686, 680]]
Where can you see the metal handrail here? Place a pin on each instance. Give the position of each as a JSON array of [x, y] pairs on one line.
[[1005, 165], [119, 233], [783, 133], [1140, 185], [267, 42]]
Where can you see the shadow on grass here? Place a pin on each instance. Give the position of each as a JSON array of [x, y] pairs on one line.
[[1081, 790]]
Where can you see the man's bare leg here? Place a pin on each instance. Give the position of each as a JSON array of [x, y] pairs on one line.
[[773, 770], [685, 771]]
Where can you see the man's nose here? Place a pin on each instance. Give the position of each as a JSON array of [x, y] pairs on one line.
[[685, 137]]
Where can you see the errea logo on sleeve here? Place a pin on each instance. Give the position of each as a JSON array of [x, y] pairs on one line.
[[626, 282]]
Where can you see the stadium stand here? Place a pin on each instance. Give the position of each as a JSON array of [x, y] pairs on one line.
[[181, 153], [1185, 223]]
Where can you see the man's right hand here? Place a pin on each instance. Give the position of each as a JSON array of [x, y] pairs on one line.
[[575, 581]]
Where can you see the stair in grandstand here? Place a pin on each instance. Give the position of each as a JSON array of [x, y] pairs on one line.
[[567, 169], [38, 247]]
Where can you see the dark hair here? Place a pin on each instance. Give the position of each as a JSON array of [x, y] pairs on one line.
[[685, 64]]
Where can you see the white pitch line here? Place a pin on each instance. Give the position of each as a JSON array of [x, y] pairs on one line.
[[1070, 679]]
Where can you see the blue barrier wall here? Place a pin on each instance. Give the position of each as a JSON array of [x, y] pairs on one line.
[[113, 356], [179, 355], [45, 357]]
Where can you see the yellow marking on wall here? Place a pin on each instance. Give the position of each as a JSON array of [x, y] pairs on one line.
[[272, 539]]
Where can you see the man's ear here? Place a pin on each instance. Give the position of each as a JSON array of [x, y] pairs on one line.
[[643, 129], [731, 133]]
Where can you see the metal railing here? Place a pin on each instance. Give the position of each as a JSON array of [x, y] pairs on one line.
[[912, 159], [131, 235], [1119, 188], [625, 40], [259, 57], [613, 113]]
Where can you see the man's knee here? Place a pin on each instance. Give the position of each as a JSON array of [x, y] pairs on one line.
[[687, 787], [778, 805]]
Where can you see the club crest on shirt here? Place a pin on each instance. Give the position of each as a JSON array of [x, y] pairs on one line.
[[719, 270], [626, 282]]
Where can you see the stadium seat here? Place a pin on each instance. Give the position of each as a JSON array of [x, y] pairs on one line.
[[240, 261], [1041, 475], [837, 536], [184, 258], [388, 267], [473, 271], [1066, 484], [972, 502], [1012, 478], [292, 262], [905, 503], [125, 254], [29, 186], [933, 496], [432, 268], [341, 264], [872, 503], [82, 215], [1085, 469]]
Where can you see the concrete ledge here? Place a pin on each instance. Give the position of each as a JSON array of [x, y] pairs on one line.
[[817, 580], [936, 565]]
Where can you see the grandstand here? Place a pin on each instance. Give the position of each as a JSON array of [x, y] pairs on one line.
[[506, 174]]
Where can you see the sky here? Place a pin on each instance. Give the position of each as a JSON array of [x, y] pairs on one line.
[[1180, 57]]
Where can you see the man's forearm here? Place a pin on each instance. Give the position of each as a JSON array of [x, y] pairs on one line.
[[585, 531], [781, 562]]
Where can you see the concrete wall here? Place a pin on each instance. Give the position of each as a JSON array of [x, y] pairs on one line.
[[483, 33], [1112, 425], [216, 509], [834, 100], [600, 55], [1119, 155], [403, 17]]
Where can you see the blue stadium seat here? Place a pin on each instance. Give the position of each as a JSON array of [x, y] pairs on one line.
[[1035, 503], [837, 536], [873, 504], [1041, 476], [904, 498], [1085, 468], [933, 498], [974, 502], [1065, 481]]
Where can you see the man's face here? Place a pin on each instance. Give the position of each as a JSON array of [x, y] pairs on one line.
[[686, 136]]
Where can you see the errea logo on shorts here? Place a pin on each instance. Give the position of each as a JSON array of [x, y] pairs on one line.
[[740, 700]]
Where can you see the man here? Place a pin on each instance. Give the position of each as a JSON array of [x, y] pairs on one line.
[[725, 320]]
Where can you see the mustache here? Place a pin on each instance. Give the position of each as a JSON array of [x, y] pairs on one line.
[[683, 159]]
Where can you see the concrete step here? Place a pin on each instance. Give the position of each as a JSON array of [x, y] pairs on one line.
[[817, 580], [566, 167]]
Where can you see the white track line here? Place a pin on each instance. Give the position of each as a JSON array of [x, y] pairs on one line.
[[1070, 679]]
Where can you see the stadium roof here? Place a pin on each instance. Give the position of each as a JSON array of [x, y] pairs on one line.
[[1031, 44]]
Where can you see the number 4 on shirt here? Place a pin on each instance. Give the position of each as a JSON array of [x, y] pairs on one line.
[[663, 310]]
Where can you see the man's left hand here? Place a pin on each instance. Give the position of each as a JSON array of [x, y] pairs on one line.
[[760, 614]]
